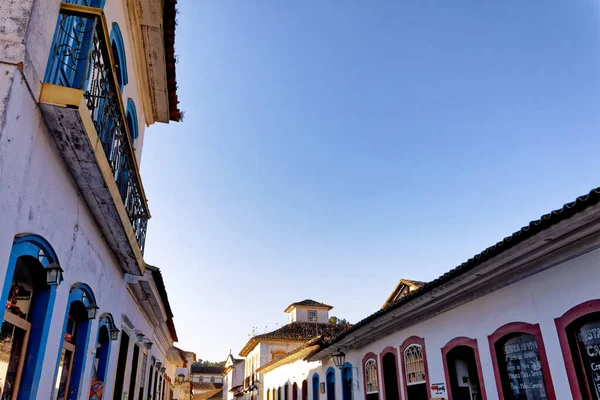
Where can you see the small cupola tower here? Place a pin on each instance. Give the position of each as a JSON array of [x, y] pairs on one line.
[[308, 311]]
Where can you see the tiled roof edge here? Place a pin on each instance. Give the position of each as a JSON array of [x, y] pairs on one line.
[[534, 227]]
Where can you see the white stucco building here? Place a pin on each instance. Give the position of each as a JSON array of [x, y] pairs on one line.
[[308, 319], [79, 82], [233, 378], [520, 320]]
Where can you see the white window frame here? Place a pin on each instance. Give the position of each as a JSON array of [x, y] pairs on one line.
[[372, 365], [414, 364]]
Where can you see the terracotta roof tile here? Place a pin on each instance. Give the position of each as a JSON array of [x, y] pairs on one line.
[[208, 395], [295, 332], [206, 385], [169, 24], [201, 369]]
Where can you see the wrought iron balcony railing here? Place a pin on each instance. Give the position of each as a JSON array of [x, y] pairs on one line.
[[81, 58]]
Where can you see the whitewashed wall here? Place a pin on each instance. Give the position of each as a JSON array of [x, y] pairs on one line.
[[538, 299], [38, 195], [300, 314]]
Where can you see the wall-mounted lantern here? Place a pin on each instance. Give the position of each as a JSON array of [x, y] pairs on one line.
[[54, 274], [92, 309], [139, 336], [339, 358], [114, 333]]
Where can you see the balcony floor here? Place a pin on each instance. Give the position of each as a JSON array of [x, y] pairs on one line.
[[69, 123]]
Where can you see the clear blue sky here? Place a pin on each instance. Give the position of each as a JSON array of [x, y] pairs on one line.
[[332, 148]]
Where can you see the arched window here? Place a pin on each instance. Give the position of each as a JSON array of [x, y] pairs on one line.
[[269, 397], [414, 368], [118, 51], [579, 335], [103, 346], [304, 390], [286, 391], [414, 365], [74, 342], [330, 382], [276, 355], [29, 290], [295, 391], [132, 120], [371, 380], [315, 387], [517, 348], [279, 393]]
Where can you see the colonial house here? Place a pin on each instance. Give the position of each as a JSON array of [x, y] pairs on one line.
[[520, 320], [308, 319], [233, 378], [84, 313], [207, 380], [183, 383]]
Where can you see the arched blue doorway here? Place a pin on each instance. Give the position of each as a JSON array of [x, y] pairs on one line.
[[347, 381], [330, 382], [70, 363], [315, 387], [29, 291]]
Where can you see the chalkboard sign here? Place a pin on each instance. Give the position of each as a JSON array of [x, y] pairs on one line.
[[523, 375], [589, 348]]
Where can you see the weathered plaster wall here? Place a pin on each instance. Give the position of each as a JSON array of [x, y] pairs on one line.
[[38, 196]]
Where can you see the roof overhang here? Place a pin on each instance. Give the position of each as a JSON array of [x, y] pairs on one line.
[[253, 342], [299, 354], [556, 244], [153, 26], [292, 306]]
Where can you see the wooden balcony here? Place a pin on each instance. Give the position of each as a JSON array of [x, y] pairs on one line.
[[83, 109]]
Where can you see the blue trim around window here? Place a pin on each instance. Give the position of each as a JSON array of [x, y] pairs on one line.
[[330, 383], [346, 381], [56, 71], [132, 120], [106, 322], [84, 294], [118, 47], [315, 387], [33, 246]]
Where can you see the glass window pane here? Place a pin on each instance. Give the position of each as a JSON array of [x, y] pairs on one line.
[[414, 365], [521, 369], [12, 340], [371, 376], [588, 339], [62, 379]]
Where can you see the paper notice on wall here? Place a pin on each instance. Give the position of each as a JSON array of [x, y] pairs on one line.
[[438, 390]]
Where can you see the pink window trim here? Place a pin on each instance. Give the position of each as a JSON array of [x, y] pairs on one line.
[[420, 341], [462, 341], [562, 323], [521, 327], [366, 358], [392, 350]]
